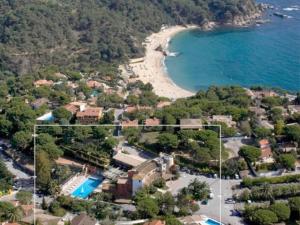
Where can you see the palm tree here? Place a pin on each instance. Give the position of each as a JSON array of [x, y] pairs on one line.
[[14, 214]]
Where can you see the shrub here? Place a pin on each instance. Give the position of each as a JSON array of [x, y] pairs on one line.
[[281, 210]]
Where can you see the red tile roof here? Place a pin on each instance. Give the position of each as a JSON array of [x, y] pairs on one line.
[[130, 123], [91, 112], [152, 122], [43, 82], [266, 152]]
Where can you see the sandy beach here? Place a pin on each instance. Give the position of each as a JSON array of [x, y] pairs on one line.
[[151, 68]]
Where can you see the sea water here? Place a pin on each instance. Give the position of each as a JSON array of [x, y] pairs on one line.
[[266, 54]]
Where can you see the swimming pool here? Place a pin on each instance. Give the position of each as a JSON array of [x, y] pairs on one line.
[[86, 188], [211, 222]]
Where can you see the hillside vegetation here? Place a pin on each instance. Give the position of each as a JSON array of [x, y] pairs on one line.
[[87, 34]]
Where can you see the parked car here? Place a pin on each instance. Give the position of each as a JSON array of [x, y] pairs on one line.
[[230, 201]]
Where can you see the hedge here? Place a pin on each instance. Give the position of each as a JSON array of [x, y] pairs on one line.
[[250, 182]]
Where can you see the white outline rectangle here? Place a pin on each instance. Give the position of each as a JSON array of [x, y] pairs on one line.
[[113, 125]]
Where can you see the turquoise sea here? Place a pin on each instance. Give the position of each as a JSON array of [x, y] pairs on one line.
[[267, 55]]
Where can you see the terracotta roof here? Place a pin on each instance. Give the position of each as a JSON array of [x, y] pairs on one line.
[[93, 112], [93, 84], [266, 152], [152, 122], [71, 108], [130, 123], [43, 82], [144, 168], [263, 142], [130, 109], [155, 222], [83, 219]]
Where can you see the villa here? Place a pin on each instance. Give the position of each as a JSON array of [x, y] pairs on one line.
[[227, 119], [150, 122], [83, 219], [94, 84], [144, 174], [266, 151], [195, 124], [294, 109], [129, 123], [74, 107], [40, 83], [90, 115], [155, 222]]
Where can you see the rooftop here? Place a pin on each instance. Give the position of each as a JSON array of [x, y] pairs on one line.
[[130, 123], [91, 112], [190, 123], [152, 122], [83, 219]]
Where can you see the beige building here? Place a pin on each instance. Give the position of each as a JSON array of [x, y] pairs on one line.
[[89, 115]]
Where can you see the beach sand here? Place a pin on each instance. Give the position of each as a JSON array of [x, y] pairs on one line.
[[152, 69]]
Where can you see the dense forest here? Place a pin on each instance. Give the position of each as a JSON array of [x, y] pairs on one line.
[[89, 34]]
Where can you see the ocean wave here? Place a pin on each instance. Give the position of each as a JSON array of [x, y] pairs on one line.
[[292, 8], [173, 54]]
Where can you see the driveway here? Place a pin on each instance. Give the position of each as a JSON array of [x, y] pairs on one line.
[[221, 190]]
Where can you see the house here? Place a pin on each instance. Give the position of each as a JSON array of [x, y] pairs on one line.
[[74, 107], [163, 104], [60, 75], [89, 115], [259, 112], [287, 147], [129, 123], [127, 160], [94, 84], [40, 83], [227, 119], [191, 124], [263, 94], [44, 219], [83, 219], [266, 151], [144, 174], [130, 109], [283, 110], [72, 85], [151, 122], [36, 104], [193, 220], [155, 222], [293, 109]]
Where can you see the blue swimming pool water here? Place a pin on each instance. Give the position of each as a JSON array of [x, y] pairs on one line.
[[212, 222], [87, 187]]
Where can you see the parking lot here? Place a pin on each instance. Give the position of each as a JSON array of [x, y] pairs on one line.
[[221, 190]]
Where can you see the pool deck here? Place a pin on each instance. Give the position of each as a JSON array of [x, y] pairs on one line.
[[73, 183]]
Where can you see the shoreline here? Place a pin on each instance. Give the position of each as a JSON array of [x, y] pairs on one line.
[[151, 68]]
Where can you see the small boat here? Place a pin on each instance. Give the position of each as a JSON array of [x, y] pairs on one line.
[[280, 15]]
